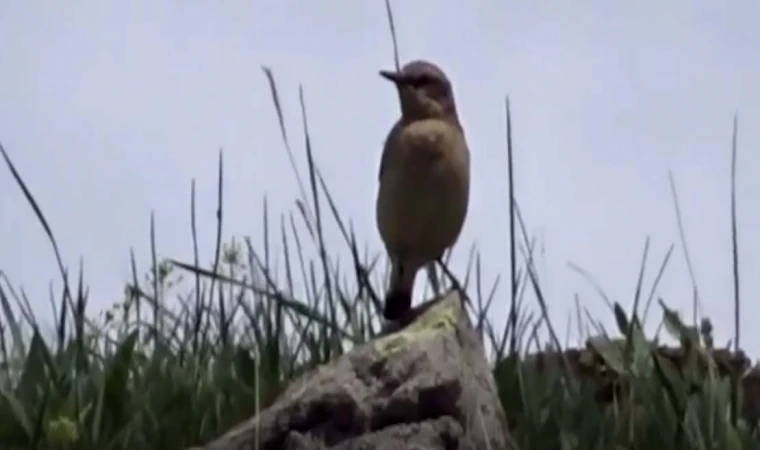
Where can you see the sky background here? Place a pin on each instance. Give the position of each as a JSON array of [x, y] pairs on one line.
[[110, 109]]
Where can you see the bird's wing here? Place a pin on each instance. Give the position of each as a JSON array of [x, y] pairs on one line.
[[391, 142], [383, 162]]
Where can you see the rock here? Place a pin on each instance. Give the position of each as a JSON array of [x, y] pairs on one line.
[[426, 386]]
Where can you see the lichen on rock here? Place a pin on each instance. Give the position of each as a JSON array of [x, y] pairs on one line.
[[426, 386]]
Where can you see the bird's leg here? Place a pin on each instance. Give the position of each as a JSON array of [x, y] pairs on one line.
[[435, 282], [399, 298]]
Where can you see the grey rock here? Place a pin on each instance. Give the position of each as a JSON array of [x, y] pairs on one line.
[[425, 385]]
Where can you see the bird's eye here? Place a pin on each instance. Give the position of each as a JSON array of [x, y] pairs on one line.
[[423, 80]]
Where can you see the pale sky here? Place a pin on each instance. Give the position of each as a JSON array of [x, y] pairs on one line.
[[109, 109]]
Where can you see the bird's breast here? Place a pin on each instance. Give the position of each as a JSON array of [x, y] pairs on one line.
[[432, 146]]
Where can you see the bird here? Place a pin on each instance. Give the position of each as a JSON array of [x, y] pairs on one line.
[[424, 179]]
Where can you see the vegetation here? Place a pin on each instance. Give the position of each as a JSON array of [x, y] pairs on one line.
[[148, 375]]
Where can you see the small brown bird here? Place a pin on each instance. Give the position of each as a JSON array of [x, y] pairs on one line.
[[424, 179]]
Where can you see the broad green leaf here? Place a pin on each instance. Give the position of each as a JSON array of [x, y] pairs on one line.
[[19, 413], [610, 351], [673, 323]]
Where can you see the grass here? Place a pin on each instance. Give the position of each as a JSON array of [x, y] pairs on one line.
[[192, 350]]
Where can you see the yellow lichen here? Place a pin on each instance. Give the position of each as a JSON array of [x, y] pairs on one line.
[[440, 318]]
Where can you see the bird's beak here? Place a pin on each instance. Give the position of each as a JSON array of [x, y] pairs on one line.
[[393, 76]]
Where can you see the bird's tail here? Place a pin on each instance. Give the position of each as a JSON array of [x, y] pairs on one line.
[[399, 298]]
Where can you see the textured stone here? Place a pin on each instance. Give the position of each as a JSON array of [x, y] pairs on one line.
[[425, 386]]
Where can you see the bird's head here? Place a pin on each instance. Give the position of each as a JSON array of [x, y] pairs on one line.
[[424, 90]]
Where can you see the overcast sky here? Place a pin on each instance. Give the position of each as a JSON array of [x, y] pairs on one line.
[[109, 109]]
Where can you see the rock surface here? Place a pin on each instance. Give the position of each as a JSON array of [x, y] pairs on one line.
[[426, 386]]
